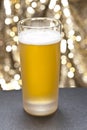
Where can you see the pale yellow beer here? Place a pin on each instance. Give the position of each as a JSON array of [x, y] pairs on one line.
[[40, 65]]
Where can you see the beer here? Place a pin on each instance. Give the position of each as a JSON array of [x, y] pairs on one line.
[[40, 65]]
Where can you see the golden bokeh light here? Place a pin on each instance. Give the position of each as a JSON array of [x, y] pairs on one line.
[[14, 29], [70, 74], [69, 65], [17, 6], [57, 16], [73, 43], [70, 55], [66, 12], [30, 10], [8, 21], [14, 47], [34, 4], [64, 3], [8, 48], [15, 18], [78, 38], [63, 46], [72, 69], [69, 21], [57, 8], [52, 4], [16, 76], [71, 32], [42, 7], [15, 38], [43, 1], [12, 34]]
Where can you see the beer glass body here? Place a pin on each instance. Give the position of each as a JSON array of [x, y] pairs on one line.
[[39, 44]]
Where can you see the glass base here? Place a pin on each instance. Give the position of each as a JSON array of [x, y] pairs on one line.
[[40, 108]]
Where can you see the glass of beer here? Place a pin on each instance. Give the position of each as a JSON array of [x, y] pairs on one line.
[[39, 45]]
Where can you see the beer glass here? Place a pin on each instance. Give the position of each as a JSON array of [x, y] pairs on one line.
[[39, 45]]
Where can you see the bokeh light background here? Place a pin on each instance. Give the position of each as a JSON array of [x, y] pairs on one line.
[[73, 16]]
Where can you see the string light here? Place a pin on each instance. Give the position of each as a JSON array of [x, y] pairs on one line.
[[14, 29], [15, 38], [6, 68], [66, 12], [15, 18], [30, 10], [70, 74], [43, 1], [7, 6], [12, 34], [42, 7], [57, 16], [64, 3], [8, 48], [85, 77], [71, 32], [14, 47], [34, 4], [78, 38], [69, 65], [70, 46], [56, 8], [30, 0], [68, 21], [72, 69], [70, 55], [17, 6], [63, 46], [8, 21], [16, 76], [2, 81], [52, 4], [63, 59]]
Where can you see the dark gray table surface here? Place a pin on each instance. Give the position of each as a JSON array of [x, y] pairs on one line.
[[71, 115]]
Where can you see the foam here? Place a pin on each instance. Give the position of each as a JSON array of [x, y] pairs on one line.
[[39, 37]]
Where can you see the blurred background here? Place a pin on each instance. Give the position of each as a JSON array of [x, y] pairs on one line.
[[73, 16]]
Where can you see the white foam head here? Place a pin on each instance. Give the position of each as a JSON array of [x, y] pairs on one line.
[[39, 37]]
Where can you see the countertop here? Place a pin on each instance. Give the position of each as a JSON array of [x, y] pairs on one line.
[[71, 114]]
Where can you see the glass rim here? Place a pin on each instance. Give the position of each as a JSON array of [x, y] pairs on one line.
[[57, 22]]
